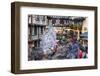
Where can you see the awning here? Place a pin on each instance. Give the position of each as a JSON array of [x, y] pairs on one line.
[[84, 35]]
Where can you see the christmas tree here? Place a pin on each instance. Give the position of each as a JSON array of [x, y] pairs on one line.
[[48, 39]]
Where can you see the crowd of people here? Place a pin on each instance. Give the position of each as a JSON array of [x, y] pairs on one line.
[[53, 48]]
